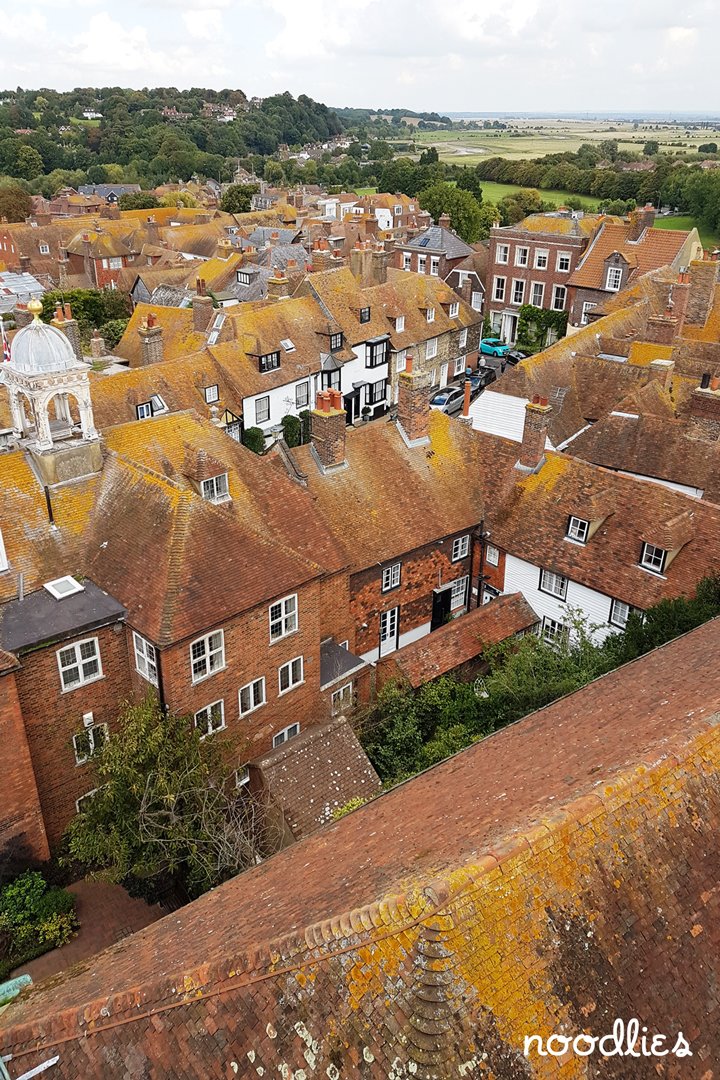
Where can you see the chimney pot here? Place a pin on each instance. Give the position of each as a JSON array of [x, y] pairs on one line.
[[705, 381], [715, 382], [466, 399], [408, 363], [68, 313]]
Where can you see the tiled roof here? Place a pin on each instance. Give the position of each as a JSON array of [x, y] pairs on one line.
[[462, 639], [655, 248], [419, 495], [343, 297], [350, 939], [439, 239], [317, 772], [179, 336], [560, 224]]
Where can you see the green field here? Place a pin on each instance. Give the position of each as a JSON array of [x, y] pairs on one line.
[[493, 192], [709, 239], [365, 190], [535, 138]]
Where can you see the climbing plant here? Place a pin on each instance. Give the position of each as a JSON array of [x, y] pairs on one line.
[[534, 324]]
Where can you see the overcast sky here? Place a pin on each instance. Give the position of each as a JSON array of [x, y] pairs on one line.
[[456, 55]]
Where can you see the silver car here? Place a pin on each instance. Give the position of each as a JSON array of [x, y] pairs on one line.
[[448, 400]]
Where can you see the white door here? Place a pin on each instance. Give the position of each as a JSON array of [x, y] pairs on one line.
[[388, 631], [443, 375]]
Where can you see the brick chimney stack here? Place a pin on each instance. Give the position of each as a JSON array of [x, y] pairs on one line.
[[152, 230], [532, 448], [328, 426], [63, 321], [641, 219], [151, 341], [705, 410], [413, 405], [662, 371], [202, 307], [444, 221], [278, 286]]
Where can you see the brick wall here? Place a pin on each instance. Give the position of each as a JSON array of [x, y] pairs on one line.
[[21, 825], [605, 908], [529, 274], [422, 571], [52, 717], [249, 655]]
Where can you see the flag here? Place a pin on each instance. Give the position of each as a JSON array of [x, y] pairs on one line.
[[5, 343]]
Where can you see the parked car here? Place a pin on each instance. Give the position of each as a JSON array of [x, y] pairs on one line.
[[514, 356], [480, 379], [448, 400], [493, 346]]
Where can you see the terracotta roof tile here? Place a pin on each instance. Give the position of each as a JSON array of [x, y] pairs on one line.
[[656, 248]]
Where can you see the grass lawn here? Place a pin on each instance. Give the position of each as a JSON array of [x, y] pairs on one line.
[[365, 190], [709, 239], [84, 123], [493, 192]]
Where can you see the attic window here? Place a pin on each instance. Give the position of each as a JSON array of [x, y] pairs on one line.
[[144, 410], [397, 210], [614, 278], [44, 249], [336, 341], [400, 323], [287, 344], [215, 489], [577, 529], [212, 393], [64, 586], [158, 405], [653, 558], [430, 314], [243, 277], [364, 314], [454, 311], [269, 361]]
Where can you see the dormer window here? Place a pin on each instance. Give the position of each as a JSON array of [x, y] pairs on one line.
[[44, 249], [454, 311], [653, 558], [215, 489], [430, 314], [577, 529], [243, 277], [397, 211], [270, 361], [144, 410], [400, 323], [212, 393], [377, 352], [614, 278], [336, 342], [158, 405], [364, 314]]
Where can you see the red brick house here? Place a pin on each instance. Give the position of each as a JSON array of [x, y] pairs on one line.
[[434, 251], [531, 263]]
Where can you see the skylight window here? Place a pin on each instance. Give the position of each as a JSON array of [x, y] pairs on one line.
[[63, 586], [287, 344], [158, 405]]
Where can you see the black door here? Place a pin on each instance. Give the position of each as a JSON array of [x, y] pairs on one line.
[[440, 608]]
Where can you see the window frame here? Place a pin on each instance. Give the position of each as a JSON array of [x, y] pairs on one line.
[[345, 689], [587, 307], [208, 390], [454, 592], [563, 256], [535, 285], [377, 348], [518, 252], [336, 341], [400, 360], [140, 412], [544, 588], [267, 362], [460, 548], [492, 559], [209, 653], [557, 289], [505, 248], [460, 363], [141, 658], [542, 259], [462, 339], [250, 687], [298, 387], [619, 625], [648, 565], [399, 324], [88, 795], [431, 348], [266, 399], [288, 614], [88, 731], [614, 270], [284, 735], [434, 266], [215, 489], [377, 396], [499, 286], [407, 260], [365, 315], [454, 309], [78, 663], [207, 709], [574, 533], [395, 572], [518, 302], [293, 683], [560, 630], [421, 263], [430, 314]]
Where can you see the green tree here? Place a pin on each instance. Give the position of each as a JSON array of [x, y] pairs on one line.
[[651, 147], [138, 200], [236, 199], [464, 210], [15, 203], [165, 806], [274, 172], [708, 148], [28, 163]]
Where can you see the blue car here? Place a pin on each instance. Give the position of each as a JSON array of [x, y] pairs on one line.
[[493, 346]]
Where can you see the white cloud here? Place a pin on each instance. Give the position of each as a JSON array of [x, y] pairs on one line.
[[203, 24]]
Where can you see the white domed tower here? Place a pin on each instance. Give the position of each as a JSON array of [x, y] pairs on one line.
[[43, 372]]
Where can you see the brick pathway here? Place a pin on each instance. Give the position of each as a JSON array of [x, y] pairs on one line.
[[107, 914]]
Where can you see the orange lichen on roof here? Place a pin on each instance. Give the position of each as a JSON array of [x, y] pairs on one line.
[[656, 248], [556, 465], [179, 335], [710, 330], [563, 226], [644, 352]]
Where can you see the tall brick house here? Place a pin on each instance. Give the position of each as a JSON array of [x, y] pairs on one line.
[[531, 263], [435, 251]]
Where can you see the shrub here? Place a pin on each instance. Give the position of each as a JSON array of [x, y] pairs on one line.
[[292, 430], [33, 919], [254, 439]]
